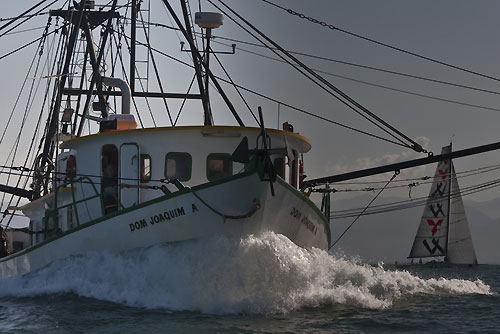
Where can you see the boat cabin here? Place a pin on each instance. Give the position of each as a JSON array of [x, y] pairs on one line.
[[119, 168]]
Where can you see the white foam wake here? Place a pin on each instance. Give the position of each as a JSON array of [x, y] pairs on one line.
[[258, 274]]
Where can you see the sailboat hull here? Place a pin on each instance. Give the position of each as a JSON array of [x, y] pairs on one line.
[[236, 207]]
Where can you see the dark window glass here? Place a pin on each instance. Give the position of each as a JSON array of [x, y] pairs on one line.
[[109, 183], [279, 166], [17, 246], [219, 166], [178, 166]]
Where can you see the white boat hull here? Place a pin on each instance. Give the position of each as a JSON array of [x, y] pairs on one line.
[[236, 207]]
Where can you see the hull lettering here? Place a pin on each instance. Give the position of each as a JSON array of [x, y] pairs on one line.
[[296, 214], [159, 218]]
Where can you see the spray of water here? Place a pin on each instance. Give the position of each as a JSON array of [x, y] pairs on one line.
[[257, 274]]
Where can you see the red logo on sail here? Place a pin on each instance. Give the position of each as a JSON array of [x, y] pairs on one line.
[[435, 225], [443, 173]]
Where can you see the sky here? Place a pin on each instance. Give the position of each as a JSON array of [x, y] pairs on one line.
[[457, 32]]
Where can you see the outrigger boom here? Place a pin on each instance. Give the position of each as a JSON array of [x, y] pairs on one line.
[[401, 165], [346, 176]]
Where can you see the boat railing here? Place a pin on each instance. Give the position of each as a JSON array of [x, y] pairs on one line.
[[52, 215]]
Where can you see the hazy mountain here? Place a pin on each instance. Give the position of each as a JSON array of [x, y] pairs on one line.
[[489, 208]]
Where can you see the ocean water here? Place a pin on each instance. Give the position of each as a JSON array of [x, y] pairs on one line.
[[260, 284]]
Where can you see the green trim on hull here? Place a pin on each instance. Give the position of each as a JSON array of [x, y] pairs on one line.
[[167, 197], [298, 193]]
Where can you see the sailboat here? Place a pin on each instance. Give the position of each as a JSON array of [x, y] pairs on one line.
[[443, 231]]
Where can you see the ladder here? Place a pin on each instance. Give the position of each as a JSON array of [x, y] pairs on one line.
[[142, 60]]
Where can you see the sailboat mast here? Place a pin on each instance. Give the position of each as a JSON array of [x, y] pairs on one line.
[[450, 168]]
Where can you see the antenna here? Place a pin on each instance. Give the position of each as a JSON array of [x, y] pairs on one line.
[[208, 21]]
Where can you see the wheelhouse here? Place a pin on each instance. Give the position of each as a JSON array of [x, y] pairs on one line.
[[114, 170]]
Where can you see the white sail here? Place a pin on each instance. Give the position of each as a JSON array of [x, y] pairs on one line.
[[460, 246], [431, 237]]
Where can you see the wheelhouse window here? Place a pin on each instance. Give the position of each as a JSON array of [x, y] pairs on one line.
[[178, 166], [145, 168], [219, 166]]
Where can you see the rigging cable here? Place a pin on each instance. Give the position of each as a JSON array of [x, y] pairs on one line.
[[44, 35], [160, 85], [301, 68], [22, 15], [356, 219], [184, 99], [25, 30], [122, 33], [114, 61], [414, 184], [332, 27], [387, 87], [297, 108], [25, 45], [314, 115], [189, 55], [343, 97], [280, 102], [407, 204], [235, 87], [198, 63], [465, 190], [383, 70], [120, 55], [45, 99], [471, 172], [28, 18], [466, 173], [29, 106]]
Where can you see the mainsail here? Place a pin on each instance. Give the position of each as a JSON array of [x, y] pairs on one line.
[[460, 246], [443, 229]]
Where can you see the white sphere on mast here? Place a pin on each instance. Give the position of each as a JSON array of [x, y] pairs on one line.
[[208, 20]]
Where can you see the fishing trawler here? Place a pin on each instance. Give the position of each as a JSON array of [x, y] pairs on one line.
[[125, 187], [443, 233], [105, 181]]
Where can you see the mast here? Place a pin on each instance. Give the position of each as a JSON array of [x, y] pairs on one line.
[[197, 67], [450, 166], [95, 62], [197, 55], [55, 111], [83, 19]]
